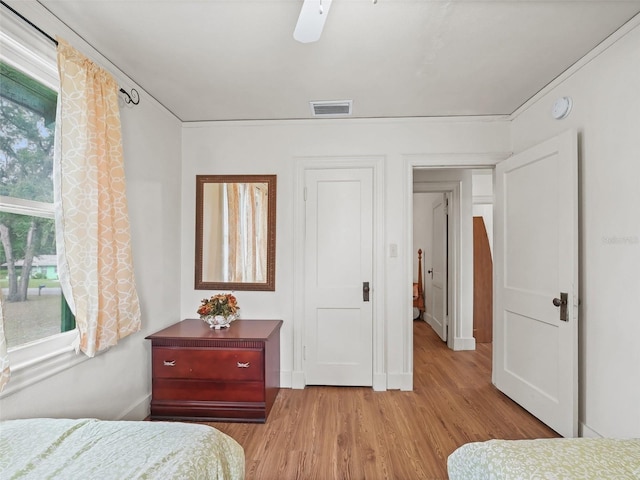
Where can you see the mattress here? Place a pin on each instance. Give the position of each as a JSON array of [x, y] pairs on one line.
[[548, 459], [94, 449]]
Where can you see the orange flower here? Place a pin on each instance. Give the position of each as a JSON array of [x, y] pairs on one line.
[[224, 304]]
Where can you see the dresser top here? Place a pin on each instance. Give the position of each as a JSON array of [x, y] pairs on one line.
[[238, 330]]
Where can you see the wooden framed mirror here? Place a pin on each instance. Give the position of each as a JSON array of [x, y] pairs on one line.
[[235, 232]]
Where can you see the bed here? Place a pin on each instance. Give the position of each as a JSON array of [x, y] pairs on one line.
[[89, 448], [558, 458]]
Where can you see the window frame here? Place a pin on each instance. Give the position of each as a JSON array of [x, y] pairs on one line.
[[27, 50]]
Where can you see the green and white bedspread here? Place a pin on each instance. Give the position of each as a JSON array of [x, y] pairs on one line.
[[94, 449], [548, 459]]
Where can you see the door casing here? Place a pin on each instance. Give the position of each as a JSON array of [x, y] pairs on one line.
[[440, 162]]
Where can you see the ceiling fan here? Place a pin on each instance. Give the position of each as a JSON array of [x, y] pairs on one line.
[[311, 20]]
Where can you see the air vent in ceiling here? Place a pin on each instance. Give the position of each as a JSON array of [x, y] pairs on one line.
[[331, 109]]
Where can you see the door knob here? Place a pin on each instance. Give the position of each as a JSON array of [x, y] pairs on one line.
[[365, 291], [562, 303]]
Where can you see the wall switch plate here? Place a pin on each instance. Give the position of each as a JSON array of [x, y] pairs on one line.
[[393, 250]]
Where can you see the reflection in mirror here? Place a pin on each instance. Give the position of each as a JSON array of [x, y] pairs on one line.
[[237, 224], [235, 232]]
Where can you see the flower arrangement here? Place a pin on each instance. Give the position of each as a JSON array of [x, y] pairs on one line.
[[219, 310]]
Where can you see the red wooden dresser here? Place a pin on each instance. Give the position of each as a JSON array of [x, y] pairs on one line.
[[230, 375]]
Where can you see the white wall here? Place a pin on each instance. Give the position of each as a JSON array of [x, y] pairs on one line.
[[117, 383], [273, 147], [482, 191], [606, 114]]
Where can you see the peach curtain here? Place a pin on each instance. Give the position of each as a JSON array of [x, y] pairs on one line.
[[92, 225], [4, 357]]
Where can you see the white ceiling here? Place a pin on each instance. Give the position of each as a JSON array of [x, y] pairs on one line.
[[237, 59]]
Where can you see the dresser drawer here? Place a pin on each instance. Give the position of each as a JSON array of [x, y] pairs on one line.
[[208, 364], [202, 390]]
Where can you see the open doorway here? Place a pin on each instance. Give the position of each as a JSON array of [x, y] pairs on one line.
[[465, 193]]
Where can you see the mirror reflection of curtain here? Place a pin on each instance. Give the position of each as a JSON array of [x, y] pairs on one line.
[[213, 258], [245, 228]]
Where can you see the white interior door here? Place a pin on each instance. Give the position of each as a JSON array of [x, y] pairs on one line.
[[338, 262], [536, 258], [438, 317]]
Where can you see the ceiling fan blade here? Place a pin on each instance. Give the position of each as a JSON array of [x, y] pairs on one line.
[[311, 20]]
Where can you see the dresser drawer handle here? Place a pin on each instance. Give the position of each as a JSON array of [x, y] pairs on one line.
[[169, 363], [244, 365]]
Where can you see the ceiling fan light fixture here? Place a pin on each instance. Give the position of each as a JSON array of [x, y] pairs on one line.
[[311, 20], [335, 108]]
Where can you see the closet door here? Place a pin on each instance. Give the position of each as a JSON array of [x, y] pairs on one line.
[[338, 267]]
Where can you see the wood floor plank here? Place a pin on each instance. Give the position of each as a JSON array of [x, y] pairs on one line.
[[350, 433]]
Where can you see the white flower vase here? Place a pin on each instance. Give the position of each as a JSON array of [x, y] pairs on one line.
[[218, 321]]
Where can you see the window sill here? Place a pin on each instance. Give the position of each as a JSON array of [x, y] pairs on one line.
[[36, 361]]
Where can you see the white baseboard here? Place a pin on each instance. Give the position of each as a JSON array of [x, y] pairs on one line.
[[430, 321], [137, 411], [379, 382], [464, 343], [587, 432], [400, 381], [297, 380], [285, 379]]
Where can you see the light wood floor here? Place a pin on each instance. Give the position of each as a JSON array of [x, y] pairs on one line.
[[330, 433]]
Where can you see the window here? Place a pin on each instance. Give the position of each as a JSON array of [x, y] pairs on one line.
[[26, 234], [34, 305], [35, 313]]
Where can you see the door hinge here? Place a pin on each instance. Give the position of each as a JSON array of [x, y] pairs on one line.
[[304, 352], [305, 194], [446, 206]]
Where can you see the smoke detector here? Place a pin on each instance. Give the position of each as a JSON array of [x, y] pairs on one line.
[[339, 108]]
